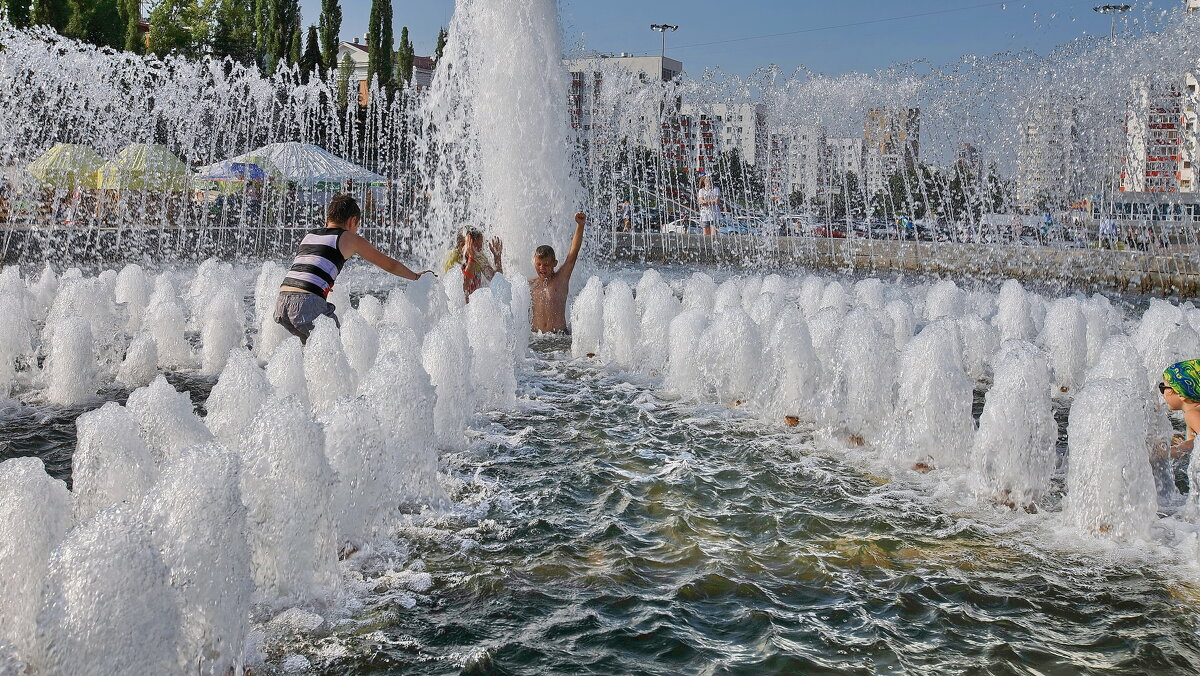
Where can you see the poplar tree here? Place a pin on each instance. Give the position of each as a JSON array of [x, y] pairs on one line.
[[131, 11], [311, 61], [404, 57], [330, 29], [53, 13], [17, 12], [379, 43], [343, 80], [441, 45], [295, 46]]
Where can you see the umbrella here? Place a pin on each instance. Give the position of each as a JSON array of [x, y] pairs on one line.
[[67, 166], [309, 165], [232, 171], [144, 167]]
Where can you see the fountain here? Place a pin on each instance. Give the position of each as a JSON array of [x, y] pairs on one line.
[[261, 503]]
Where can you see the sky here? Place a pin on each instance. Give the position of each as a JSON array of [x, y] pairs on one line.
[[831, 37]]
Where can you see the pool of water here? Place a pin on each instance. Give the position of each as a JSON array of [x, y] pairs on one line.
[[605, 526]]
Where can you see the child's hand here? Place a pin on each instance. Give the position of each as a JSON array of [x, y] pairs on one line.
[[581, 218], [496, 247]]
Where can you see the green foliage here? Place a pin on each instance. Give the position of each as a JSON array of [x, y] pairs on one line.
[[379, 43], [52, 13], [179, 27], [404, 57], [330, 30], [311, 61], [294, 47], [234, 31], [282, 29], [345, 69], [96, 21], [131, 14], [441, 45], [17, 12]]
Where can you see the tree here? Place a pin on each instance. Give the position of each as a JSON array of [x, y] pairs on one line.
[[263, 9], [330, 29], [310, 62], [96, 21], [178, 27], [343, 81], [131, 14], [282, 27], [379, 43], [234, 32], [17, 12], [441, 46], [295, 46], [404, 57], [52, 13]]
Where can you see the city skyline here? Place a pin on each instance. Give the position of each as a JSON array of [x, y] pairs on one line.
[[824, 39]]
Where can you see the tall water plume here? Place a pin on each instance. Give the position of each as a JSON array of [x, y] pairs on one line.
[[498, 131]]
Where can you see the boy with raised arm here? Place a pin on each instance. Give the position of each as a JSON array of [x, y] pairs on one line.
[[322, 254], [549, 289]]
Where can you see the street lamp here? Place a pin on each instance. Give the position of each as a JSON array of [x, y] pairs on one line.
[[1112, 11], [663, 28]]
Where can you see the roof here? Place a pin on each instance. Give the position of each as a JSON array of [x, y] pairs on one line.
[[355, 45]]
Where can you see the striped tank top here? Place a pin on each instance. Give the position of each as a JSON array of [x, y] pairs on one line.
[[318, 262]]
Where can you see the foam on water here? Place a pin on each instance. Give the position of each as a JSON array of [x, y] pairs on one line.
[[587, 319], [357, 449], [140, 365], [108, 606], [1064, 337], [111, 464], [240, 391], [328, 373], [198, 522], [167, 420], [360, 342], [1110, 489], [446, 356], [286, 485], [35, 513], [864, 376], [71, 372], [1014, 452], [619, 339], [933, 423], [132, 291], [165, 320], [490, 329], [223, 330], [285, 370]]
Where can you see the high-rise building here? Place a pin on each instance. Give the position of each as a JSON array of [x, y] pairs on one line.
[[845, 156], [1046, 164], [796, 163], [587, 81], [891, 141], [1159, 144], [735, 126]]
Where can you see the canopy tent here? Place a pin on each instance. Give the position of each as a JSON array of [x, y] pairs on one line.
[[144, 167], [310, 166], [67, 166], [230, 170]]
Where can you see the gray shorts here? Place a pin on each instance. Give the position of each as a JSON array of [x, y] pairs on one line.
[[297, 311]]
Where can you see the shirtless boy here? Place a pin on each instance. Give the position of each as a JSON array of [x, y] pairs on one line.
[[549, 289]]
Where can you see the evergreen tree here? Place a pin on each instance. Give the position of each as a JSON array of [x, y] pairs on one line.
[[380, 43], [343, 81], [330, 29], [234, 31], [96, 21], [295, 46], [52, 13], [17, 12], [441, 45], [131, 14], [263, 9], [404, 58], [311, 61]]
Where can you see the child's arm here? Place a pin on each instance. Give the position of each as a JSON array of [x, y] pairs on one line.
[[497, 248], [568, 266], [352, 243]]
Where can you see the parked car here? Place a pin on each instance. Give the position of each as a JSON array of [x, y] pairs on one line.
[[830, 230], [683, 226]]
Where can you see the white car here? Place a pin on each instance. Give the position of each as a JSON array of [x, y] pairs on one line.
[[683, 226]]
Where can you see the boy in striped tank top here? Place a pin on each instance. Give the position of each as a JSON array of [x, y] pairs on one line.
[[320, 258]]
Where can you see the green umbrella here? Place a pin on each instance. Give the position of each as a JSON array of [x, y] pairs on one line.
[[144, 167], [67, 166]]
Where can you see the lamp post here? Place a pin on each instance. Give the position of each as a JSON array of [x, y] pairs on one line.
[[663, 28], [1112, 11]]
